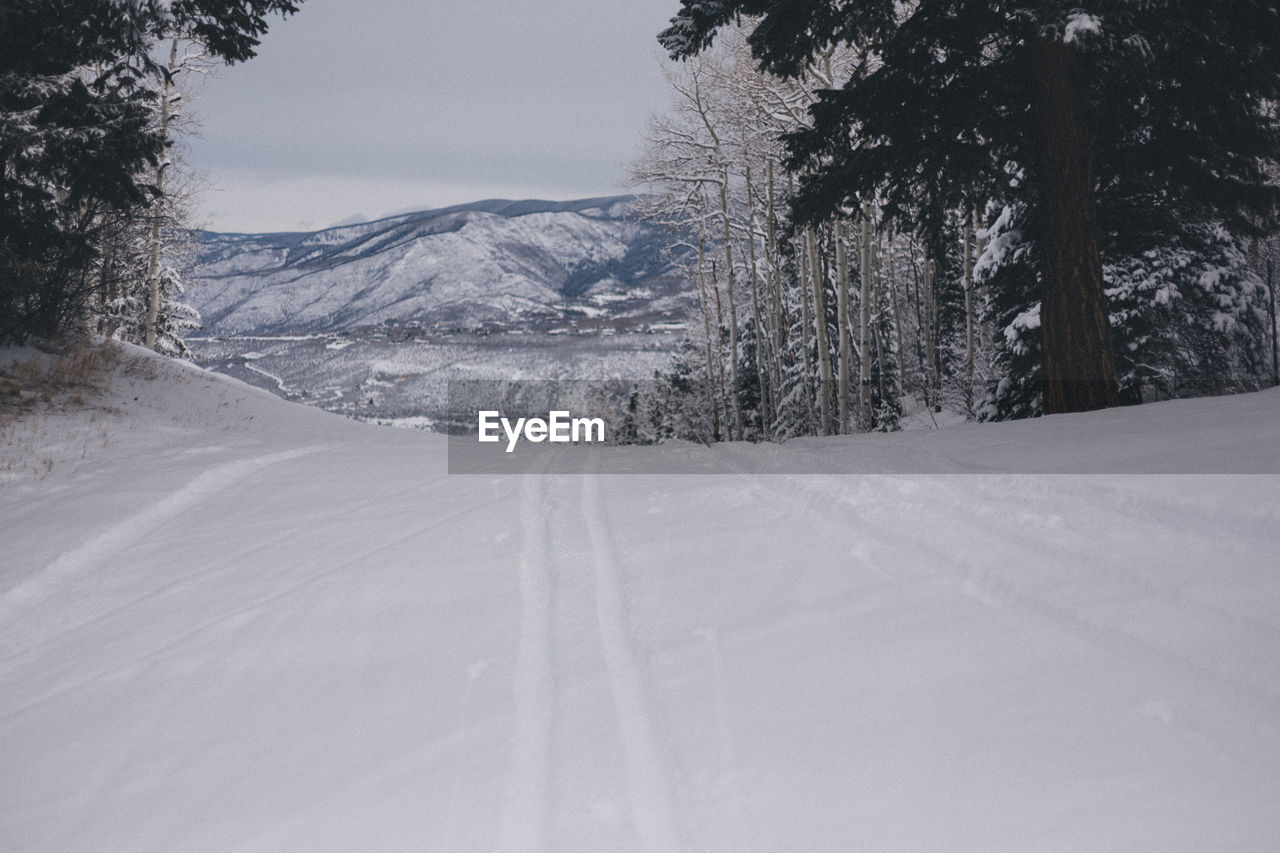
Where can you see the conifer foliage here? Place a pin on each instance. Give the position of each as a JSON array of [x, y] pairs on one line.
[[82, 141], [1113, 130]]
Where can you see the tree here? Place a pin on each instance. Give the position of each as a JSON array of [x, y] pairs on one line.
[[73, 133], [78, 147], [818, 305], [1035, 103], [1187, 311]]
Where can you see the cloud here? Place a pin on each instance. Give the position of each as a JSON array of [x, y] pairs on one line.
[[375, 103]]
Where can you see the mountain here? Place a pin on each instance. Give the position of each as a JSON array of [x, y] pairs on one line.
[[493, 262]]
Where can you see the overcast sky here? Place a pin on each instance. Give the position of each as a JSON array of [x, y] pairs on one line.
[[362, 109]]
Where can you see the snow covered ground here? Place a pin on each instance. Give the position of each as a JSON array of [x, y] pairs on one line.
[[232, 623]]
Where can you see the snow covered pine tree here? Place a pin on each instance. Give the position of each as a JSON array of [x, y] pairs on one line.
[[1026, 101], [77, 143]]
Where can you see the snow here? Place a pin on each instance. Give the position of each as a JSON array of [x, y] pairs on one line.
[[1081, 24], [510, 264], [1001, 239], [1026, 321], [410, 422], [233, 623]]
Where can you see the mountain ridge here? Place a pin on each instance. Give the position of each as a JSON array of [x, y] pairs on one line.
[[495, 261]]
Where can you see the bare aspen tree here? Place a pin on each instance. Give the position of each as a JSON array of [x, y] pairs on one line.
[[806, 310], [968, 244], [775, 275], [933, 396], [726, 138], [705, 302], [153, 268], [820, 332], [867, 417], [1271, 303], [878, 306], [763, 343], [734, 398], [683, 160], [893, 292], [843, 368]]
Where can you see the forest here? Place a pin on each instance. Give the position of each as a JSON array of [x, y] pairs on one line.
[[95, 231], [872, 200]]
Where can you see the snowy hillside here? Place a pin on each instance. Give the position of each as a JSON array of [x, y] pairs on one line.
[[488, 262], [232, 623]]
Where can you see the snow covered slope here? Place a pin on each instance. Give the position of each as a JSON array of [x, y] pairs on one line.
[[231, 623], [488, 262]]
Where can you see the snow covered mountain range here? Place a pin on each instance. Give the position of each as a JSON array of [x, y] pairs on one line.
[[492, 262]]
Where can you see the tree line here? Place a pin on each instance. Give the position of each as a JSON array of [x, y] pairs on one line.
[[93, 206], [1004, 209]]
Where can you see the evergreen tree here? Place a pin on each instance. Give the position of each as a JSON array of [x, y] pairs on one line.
[[78, 146], [1189, 313], [73, 134], [1043, 105]]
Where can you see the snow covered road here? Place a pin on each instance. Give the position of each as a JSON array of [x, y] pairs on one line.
[[246, 625]]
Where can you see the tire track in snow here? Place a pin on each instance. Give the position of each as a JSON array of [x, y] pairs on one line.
[[651, 794], [526, 804], [117, 537]]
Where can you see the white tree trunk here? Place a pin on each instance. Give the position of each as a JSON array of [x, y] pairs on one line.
[[864, 321], [844, 366], [153, 267], [762, 338], [705, 302], [968, 247], [933, 396], [820, 332], [775, 272], [734, 401]]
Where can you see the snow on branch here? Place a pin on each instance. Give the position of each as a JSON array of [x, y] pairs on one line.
[[1081, 24]]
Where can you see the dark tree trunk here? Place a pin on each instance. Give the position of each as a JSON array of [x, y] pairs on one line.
[[1271, 290], [1079, 367]]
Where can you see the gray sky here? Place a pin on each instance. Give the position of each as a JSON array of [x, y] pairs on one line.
[[370, 107]]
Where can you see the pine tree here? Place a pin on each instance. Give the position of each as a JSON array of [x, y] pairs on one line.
[[73, 134], [78, 147], [1039, 105]]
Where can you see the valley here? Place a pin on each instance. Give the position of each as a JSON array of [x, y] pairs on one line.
[[399, 376], [372, 320]]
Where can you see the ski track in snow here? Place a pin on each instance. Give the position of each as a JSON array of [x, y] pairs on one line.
[[243, 610], [651, 794], [526, 805], [121, 535]]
